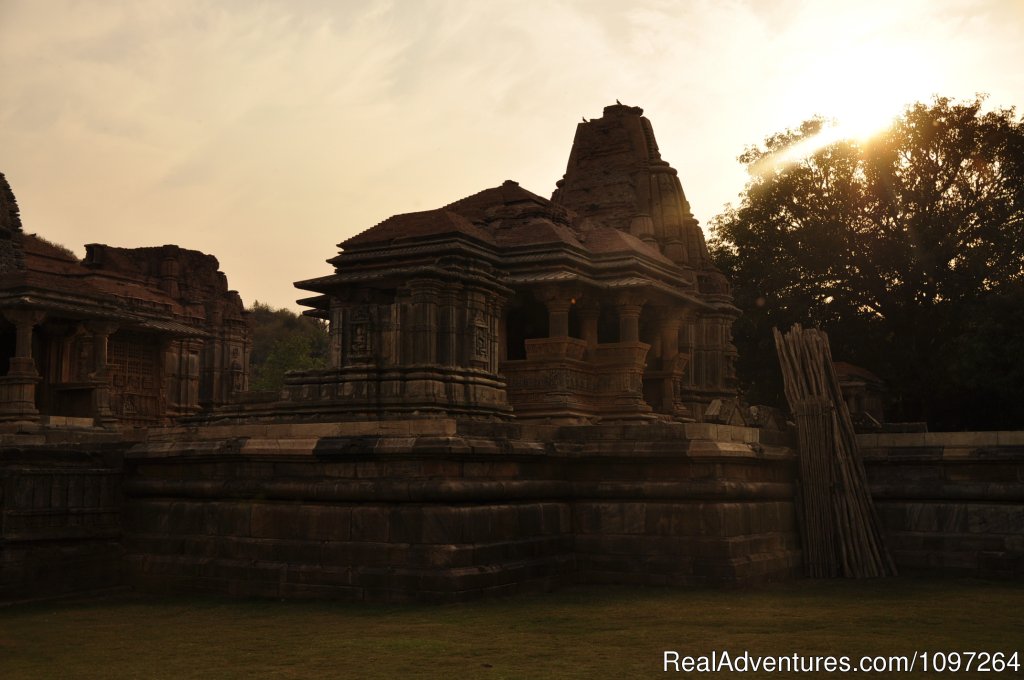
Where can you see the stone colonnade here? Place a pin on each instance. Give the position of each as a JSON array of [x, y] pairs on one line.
[[96, 369], [564, 377], [18, 388]]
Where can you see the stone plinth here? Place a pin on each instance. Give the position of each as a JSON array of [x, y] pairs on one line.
[[373, 392], [60, 518], [620, 380], [444, 510], [950, 502], [18, 395]]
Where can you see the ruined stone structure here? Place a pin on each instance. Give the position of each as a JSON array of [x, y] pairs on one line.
[[600, 304], [125, 337], [91, 352], [864, 393]]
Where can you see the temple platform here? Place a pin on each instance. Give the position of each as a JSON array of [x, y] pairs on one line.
[[442, 509]]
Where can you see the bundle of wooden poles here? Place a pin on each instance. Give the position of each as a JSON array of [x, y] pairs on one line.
[[838, 524]]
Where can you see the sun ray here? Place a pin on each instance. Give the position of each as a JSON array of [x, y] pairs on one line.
[[830, 133]]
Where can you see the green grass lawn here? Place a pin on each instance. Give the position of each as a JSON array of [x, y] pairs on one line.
[[583, 632]]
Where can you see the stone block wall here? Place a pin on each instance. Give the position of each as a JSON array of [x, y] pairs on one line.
[[445, 510], [60, 520], [384, 552], [950, 502], [679, 543], [441, 511], [350, 517], [681, 505]]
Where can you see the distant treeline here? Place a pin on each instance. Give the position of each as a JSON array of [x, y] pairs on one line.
[[283, 341]]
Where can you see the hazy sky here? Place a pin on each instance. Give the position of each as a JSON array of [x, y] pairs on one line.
[[267, 132]]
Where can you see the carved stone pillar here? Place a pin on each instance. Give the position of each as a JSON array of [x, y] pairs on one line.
[[590, 312], [559, 301], [629, 308], [670, 324], [18, 387], [620, 365], [24, 321], [672, 363], [558, 318], [101, 332]]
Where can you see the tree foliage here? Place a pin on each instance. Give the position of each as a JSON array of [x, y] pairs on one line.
[[283, 341], [908, 248]]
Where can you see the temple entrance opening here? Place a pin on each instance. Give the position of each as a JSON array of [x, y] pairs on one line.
[[526, 319]]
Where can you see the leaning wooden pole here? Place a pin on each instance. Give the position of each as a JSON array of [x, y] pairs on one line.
[[839, 526]]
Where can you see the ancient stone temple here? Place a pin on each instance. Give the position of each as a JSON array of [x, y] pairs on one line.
[[599, 304], [125, 337], [511, 404], [523, 392]]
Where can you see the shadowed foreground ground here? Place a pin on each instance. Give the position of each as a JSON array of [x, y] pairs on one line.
[[575, 633]]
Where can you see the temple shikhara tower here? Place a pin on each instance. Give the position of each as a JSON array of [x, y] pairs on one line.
[[599, 304]]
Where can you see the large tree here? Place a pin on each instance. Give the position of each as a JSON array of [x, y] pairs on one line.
[[907, 247]]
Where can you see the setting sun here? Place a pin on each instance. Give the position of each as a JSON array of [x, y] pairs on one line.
[[858, 83], [866, 86]]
